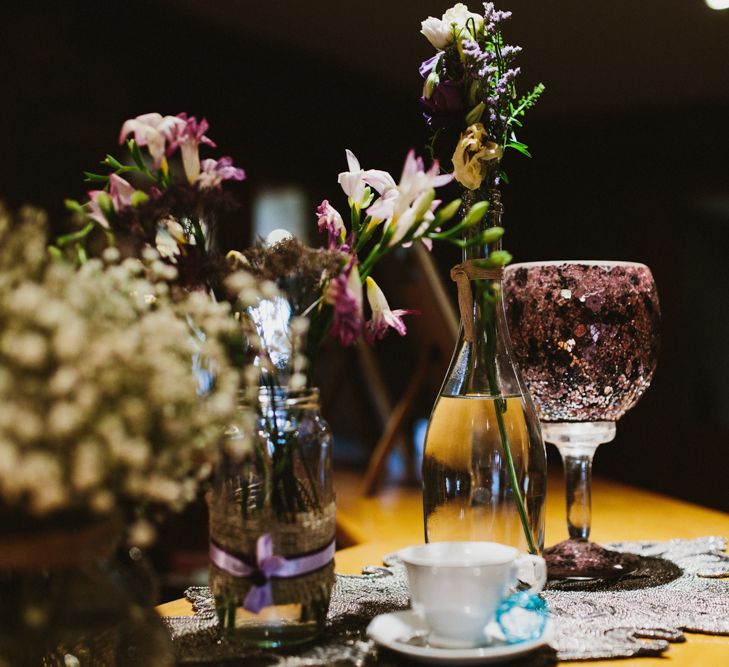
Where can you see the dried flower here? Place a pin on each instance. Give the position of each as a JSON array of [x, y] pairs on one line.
[[471, 156]]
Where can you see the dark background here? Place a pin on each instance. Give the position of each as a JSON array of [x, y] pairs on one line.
[[630, 145]]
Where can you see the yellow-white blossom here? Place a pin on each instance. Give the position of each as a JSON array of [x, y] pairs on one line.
[[473, 152]]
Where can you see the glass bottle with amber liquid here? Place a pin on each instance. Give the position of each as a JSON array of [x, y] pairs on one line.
[[484, 466]]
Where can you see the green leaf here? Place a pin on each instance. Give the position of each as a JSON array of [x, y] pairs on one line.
[[95, 178], [136, 154], [518, 146], [55, 252], [504, 177]]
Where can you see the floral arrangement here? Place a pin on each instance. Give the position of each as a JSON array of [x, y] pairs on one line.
[[472, 109], [100, 410], [469, 96], [149, 201], [284, 298], [330, 284]]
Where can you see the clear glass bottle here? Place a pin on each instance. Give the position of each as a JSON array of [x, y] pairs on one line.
[[272, 525], [484, 465]]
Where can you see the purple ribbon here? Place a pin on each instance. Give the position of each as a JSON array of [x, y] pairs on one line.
[[268, 566]]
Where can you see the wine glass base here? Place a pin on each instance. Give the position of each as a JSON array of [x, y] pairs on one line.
[[582, 559]]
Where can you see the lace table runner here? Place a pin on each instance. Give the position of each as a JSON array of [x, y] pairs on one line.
[[678, 587]]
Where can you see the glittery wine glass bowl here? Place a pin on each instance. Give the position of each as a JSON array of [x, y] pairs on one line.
[[586, 338]]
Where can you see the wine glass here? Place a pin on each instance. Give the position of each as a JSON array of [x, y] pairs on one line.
[[586, 337]]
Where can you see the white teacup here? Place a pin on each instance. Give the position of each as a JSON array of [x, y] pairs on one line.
[[456, 587]]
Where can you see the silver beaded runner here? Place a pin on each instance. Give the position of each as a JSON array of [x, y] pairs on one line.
[[678, 587]]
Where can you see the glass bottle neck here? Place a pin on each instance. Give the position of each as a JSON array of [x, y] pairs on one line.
[[491, 219], [482, 362]]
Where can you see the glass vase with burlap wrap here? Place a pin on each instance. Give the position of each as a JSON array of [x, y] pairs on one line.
[[272, 525], [484, 466]]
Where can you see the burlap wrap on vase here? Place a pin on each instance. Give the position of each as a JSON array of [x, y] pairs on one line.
[[237, 534]]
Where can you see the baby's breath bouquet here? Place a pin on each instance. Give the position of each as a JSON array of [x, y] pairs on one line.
[[101, 413]]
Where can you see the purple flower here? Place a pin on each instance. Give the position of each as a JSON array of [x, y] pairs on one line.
[[345, 294], [492, 17], [188, 137], [427, 66], [330, 220], [120, 194], [509, 52], [444, 105], [383, 318], [214, 172], [477, 60]]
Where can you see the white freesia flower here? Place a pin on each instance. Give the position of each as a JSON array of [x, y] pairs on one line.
[[454, 23], [153, 131], [354, 182], [407, 203]]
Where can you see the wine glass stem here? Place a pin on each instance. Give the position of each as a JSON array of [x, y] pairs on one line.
[[578, 481]]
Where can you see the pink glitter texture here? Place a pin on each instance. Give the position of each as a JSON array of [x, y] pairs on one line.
[[585, 335]]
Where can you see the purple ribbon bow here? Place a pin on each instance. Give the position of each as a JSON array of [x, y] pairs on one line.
[[268, 566]]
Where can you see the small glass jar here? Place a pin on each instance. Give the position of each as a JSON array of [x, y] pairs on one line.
[[272, 524]]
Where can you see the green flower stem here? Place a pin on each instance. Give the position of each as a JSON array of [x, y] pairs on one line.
[[489, 312]]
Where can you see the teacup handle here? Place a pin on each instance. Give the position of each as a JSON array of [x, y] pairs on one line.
[[538, 567]]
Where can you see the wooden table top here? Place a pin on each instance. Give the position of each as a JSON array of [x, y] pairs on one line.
[[393, 519]]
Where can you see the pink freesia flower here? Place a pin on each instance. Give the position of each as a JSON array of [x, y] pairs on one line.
[[120, 191], [189, 137], [214, 172], [383, 317], [354, 181], [345, 294], [153, 131], [410, 201], [329, 219]]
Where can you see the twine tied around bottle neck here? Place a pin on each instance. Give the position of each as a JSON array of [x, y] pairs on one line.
[[462, 274]]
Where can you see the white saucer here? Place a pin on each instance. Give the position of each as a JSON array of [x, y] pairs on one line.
[[389, 629]]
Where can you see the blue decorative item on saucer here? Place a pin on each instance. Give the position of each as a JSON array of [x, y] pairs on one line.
[[522, 617]]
